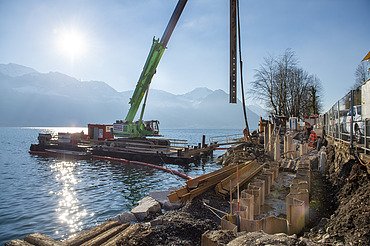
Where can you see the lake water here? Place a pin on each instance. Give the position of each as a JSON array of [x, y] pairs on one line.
[[59, 198]]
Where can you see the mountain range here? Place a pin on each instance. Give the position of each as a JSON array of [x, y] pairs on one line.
[[30, 98]]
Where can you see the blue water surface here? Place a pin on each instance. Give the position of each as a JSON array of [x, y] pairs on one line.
[[59, 198]]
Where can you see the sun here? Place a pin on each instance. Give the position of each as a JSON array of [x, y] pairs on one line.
[[71, 43]]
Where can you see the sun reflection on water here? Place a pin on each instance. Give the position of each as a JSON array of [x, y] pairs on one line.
[[69, 210]]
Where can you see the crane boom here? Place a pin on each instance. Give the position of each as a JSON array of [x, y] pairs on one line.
[[145, 79], [129, 128]]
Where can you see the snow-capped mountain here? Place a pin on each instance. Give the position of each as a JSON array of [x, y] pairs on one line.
[[31, 98]]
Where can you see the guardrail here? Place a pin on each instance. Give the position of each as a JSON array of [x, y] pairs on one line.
[[226, 139]]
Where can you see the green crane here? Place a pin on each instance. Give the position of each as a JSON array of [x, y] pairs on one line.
[[140, 128]]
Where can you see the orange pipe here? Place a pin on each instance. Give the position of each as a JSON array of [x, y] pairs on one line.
[[107, 158]]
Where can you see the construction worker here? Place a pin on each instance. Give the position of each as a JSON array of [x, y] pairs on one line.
[[246, 135], [312, 139]]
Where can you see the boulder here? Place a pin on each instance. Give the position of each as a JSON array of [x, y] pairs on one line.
[[161, 197], [147, 206], [126, 217]]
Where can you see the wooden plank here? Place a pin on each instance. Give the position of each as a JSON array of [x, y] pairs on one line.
[[39, 239], [193, 183], [209, 183], [125, 233], [105, 236], [89, 234], [203, 183], [173, 197], [17, 242], [245, 174]]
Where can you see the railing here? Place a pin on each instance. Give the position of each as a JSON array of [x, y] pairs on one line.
[[226, 139], [178, 143], [345, 122]]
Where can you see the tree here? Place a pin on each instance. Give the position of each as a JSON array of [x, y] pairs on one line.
[[285, 88], [360, 75]]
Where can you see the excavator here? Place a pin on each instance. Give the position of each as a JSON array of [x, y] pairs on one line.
[[128, 128]]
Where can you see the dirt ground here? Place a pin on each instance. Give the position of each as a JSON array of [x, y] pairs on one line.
[[350, 222]]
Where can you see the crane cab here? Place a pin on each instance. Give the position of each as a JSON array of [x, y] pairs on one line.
[[136, 129]]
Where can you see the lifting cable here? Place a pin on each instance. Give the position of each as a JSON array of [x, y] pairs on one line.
[[241, 67]]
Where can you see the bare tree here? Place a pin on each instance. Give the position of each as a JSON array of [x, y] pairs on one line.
[[264, 86], [286, 88], [360, 75], [314, 103], [297, 91]]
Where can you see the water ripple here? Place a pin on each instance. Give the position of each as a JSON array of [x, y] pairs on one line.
[[62, 197]]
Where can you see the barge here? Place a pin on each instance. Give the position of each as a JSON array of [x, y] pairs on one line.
[[99, 142]]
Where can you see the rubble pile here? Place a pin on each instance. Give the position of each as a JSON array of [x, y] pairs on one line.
[[242, 153]]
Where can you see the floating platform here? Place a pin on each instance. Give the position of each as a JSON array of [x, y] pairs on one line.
[[154, 151]]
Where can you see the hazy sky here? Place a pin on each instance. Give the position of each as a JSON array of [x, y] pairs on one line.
[[111, 39]]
